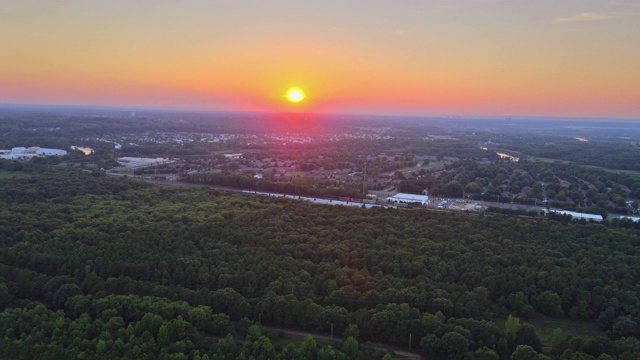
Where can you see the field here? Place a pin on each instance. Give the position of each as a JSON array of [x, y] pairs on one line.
[[4, 174]]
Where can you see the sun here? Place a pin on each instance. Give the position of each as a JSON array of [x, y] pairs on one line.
[[295, 95]]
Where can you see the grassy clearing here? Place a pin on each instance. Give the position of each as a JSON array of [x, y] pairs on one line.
[[545, 160], [295, 339], [126, 172], [545, 325], [5, 174], [433, 164], [615, 171], [592, 167]]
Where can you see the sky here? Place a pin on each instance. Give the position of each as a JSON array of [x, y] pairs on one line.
[[566, 58]]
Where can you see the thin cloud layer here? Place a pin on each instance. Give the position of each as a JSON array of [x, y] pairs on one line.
[[585, 16]]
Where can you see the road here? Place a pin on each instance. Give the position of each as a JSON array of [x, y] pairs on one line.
[[177, 183], [433, 202]]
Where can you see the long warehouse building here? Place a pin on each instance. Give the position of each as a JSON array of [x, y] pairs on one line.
[[409, 198]]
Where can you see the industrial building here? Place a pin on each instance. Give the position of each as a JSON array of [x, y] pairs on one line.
[[409, 198], [50, 152], [21, 152]]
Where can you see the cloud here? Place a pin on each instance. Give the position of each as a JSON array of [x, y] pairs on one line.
[[585, 16]]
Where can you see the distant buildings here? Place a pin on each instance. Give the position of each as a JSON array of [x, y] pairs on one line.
[[233, 156], [22, 153], [136, 162]]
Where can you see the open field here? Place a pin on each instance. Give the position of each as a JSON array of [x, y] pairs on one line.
[[615, 171], [545, 325], [4, 174], [296, 337], [431, 165], [594, 167]]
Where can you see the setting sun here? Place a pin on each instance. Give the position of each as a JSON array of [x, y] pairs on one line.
[[295, 95]]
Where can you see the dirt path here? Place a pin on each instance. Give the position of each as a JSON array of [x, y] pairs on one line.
[[336, 339]]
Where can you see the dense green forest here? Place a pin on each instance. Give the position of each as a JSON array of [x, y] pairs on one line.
[[96, 267]]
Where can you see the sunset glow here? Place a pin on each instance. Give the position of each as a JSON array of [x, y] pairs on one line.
[[295, 95], [535, 58]]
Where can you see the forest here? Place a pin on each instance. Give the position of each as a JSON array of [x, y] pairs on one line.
[[100, 268]]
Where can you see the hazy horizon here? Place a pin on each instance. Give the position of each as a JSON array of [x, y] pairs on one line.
[[137, 109]]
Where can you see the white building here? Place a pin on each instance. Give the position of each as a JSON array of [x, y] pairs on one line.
[[409, 198], [21, 152], [12, 156], [50, 152]]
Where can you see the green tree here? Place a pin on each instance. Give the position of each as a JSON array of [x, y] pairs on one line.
[[548, 302], [327, 353], [219, 324], [226, 347], [527, 336], [164, 336], [485, 353], [352, 331], [518, 301], [200, 317], [5, 296], [64, 292], [511, 327], [432, 346], [350, 347], [455, 345], [524, 352], [557, 338], [308, 349], [266, 350]]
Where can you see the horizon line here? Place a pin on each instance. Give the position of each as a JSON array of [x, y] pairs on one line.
[[135, 108]]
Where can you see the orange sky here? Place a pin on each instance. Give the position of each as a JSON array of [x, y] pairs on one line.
[[431, 57]]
